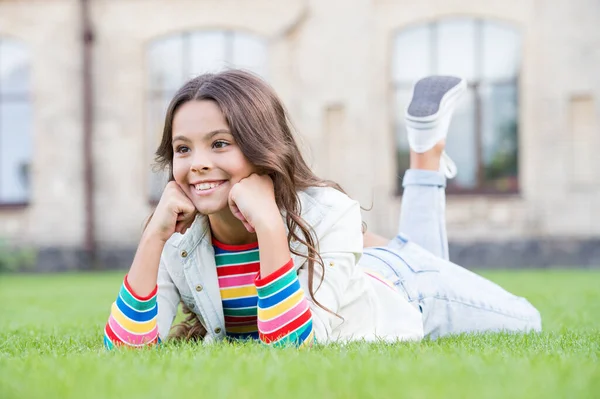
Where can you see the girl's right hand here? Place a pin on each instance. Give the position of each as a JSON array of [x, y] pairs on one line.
[[175, 213]]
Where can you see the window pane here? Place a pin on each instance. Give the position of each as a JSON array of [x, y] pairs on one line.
[[208, 52], [500, 136], [250, 52], [412, 54], [15, 151], [165, 58], [14, 67], [461, 144], [456, 48], [156, 116], [501, 51]]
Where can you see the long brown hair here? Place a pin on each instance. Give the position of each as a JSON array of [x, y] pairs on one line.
[[261, 128]]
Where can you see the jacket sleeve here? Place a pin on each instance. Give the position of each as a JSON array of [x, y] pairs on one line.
[[284, 316], [340, 248], [137, 321]]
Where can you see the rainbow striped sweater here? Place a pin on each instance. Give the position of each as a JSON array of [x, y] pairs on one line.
[[272, 309]]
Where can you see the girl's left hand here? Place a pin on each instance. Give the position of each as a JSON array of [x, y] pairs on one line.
[[252, 200]]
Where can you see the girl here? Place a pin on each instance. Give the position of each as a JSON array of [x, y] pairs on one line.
[[256, 246]]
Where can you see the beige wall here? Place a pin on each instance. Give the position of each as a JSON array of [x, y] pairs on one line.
[[55, 215], [330, 61]]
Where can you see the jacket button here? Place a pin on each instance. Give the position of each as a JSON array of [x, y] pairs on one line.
[[198, 288], [331, 264], [191, 306], [183, 254], [218, 330]]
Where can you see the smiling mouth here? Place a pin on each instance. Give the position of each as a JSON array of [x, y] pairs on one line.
[[207, 186]]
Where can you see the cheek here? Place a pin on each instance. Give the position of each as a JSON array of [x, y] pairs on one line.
[[179, 170], [244, 167], [241, 171]]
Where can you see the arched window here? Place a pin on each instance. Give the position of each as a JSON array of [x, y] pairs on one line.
[[174, 59], [15, 122], [483, 137]]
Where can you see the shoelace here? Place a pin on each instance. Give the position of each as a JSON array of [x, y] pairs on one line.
[[447, 166]]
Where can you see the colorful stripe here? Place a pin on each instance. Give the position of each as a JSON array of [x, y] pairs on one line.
[[284, 316], [235, 281], [272, 309], [275, 323], [380, 278], [237, 267], [132, 320]]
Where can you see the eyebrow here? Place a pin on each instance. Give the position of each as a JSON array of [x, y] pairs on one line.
[[206, 137]]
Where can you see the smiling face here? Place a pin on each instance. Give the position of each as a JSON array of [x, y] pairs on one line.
[[207, 162]]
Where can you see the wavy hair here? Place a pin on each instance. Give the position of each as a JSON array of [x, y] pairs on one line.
[[261, 128]]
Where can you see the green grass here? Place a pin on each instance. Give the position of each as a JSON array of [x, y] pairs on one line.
[[51, 333]]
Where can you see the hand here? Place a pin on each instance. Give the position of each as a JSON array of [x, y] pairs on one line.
[[175, 213], [252, 201]]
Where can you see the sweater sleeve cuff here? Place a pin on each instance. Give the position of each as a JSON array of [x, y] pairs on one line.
[[261, 282], [139, 297]]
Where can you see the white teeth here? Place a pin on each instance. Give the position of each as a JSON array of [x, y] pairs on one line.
[[206, 186]]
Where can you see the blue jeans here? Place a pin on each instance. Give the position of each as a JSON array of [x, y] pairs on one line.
[[452, 299]]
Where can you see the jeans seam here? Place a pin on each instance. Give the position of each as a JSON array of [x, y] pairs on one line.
[[384, 261], [416, 271], [399, 278], [443, 238], [462, 302]]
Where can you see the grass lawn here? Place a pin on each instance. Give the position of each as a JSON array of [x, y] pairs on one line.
[[51, 347]]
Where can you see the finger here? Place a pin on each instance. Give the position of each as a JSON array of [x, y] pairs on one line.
[[181, 190], [235, 210], [244, 221], [184, 219], [185, 224], [186, 209], [189, 224], [249, 227], [239, 215], [178, 227], [186, 202], [189, 217]]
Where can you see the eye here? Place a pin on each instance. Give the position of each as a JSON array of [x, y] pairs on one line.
[[182, 149], [220, 144]]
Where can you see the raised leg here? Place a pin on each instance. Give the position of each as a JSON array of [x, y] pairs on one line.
[[423, 213], [428, 116]]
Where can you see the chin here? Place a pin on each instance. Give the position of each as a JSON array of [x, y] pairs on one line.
[[210, 209]]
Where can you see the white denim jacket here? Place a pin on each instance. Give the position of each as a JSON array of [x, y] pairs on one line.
[[360, 307]]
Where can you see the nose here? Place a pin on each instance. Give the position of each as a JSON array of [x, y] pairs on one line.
[[201, 162]]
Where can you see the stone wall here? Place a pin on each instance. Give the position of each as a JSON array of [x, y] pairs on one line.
[[330, 62]]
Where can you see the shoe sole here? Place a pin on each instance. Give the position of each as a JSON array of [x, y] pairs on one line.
[[432, 98]]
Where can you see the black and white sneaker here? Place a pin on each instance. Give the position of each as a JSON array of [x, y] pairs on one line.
[[429, 114]]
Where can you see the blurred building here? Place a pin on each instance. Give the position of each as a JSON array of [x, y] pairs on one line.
[[525, 137]]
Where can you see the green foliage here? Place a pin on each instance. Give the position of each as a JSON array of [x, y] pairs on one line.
[[15, 259], [51, 347], [504, 163]]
